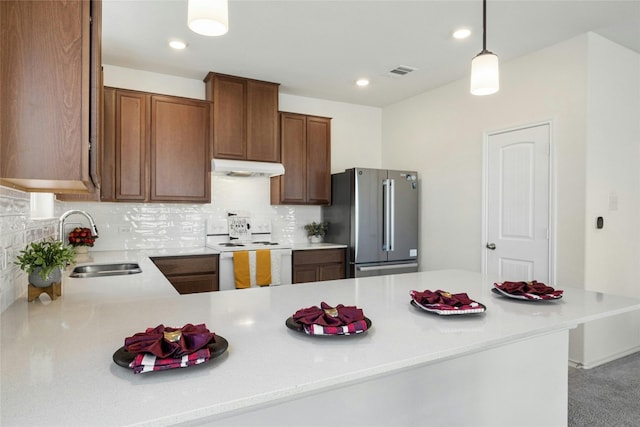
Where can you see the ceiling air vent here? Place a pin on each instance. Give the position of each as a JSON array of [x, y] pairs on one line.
[[400, 71]]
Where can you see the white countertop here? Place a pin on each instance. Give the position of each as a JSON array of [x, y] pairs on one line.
[[311, 246], [57, 367]]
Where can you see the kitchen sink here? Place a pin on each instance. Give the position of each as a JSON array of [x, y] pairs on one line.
[[100, 270]]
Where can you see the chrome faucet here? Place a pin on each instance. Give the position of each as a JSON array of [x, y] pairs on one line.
[[63, 217]]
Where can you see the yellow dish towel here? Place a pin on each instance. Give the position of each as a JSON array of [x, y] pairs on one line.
[[263, 267], [241, 269]]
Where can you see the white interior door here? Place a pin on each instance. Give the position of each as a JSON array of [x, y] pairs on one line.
[[517, 204]]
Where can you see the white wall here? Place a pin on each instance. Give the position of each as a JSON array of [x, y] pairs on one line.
[[589, 88], [440, 134], [612, 254], [146, 81]]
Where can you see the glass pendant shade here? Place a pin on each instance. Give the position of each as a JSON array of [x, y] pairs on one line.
[[485, 74], [208, 17]]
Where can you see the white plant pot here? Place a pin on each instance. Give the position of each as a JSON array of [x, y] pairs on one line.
[[315, 239], [81, 249]]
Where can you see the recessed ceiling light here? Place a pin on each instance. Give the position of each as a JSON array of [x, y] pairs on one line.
[[177, 44], [362, 82], [462, 33]]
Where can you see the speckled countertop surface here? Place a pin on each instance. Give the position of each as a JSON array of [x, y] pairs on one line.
[[311, 246], [57, 363]]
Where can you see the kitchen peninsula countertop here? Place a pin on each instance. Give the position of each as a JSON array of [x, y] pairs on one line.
[[57, 366]]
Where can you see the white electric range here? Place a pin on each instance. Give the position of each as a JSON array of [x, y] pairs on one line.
[[240, 233]]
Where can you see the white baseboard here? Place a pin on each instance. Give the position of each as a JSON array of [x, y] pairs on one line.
[[593, 363]]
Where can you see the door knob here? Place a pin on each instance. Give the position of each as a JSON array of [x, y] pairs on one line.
[[491, 246]]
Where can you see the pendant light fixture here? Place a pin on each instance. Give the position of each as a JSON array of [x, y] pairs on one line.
[[208, 17], [485, 71]]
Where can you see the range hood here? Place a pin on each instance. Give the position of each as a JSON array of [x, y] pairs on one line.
[[245, 168]]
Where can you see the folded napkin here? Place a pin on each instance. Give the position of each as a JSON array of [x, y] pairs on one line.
[[167, 342], [530, 290], [352, 328], [147, 362], [442, 300], [327, 320]]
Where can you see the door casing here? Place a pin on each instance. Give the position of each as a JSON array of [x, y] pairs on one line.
[[485, 194]]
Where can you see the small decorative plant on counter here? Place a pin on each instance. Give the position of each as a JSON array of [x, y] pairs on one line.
[[44, 261], [316, 231], [81, 239]]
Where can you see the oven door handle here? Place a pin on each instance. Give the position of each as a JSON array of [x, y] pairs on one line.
[[229, 254]]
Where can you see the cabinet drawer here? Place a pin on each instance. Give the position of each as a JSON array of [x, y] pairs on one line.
[[318, 256], [181, 265], [195, 283]]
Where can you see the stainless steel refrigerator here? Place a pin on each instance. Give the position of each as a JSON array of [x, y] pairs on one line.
[[375, 213]]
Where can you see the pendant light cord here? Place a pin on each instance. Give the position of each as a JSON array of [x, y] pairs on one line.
[[484, 25]]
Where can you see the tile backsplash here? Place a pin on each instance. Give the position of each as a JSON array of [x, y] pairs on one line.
[[126, 226], [16, 231]]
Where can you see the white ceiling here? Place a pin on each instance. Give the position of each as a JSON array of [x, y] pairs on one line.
[[319, 48]]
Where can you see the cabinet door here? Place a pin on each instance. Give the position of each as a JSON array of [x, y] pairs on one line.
[[108, 148], [195, 283], [262, 121], [331, 272], [131, 145], [305, 274], [44, 94], [293, 134], [179, 164], [229, 102], [318, 160], [318, 264]]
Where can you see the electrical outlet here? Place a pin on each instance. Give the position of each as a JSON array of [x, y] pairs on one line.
[[5, 258], [187, 229], [124, 229]]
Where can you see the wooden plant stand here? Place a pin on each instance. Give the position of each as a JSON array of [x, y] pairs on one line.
[[54, 291]]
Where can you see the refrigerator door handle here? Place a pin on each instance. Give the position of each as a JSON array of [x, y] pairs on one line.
[[386, 190], [392, 218], [386, 267]]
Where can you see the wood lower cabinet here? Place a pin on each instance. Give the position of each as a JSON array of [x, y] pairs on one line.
[[190, 274], [245, 118], [156, 148], [318, 264], [305, 146], [49, 74]]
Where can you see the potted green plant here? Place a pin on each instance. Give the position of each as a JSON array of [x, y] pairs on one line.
[[316, 231], [44, 261]]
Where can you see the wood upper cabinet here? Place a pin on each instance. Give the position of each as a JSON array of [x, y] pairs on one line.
[[49, 74], [245, 118], [305, 144], [180, 139], [156, 148], [131, 150], [318, 265]]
